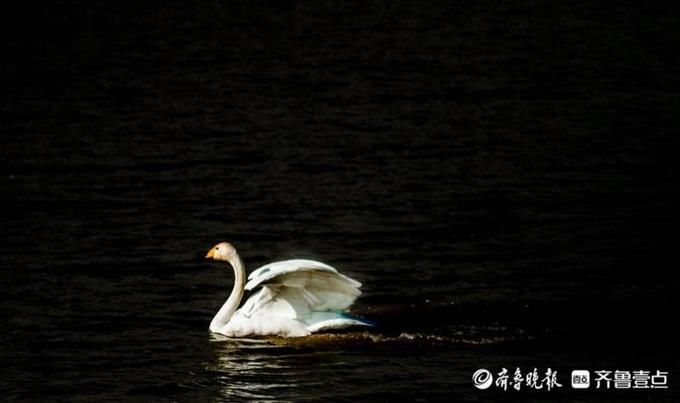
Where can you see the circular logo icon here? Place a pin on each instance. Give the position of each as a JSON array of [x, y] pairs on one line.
[[482, 379]]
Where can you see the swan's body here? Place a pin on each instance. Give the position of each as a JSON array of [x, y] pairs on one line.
[[297, 298]]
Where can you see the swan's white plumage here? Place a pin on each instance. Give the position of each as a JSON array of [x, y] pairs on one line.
[[320, 286], [297, 297], [276, 269]]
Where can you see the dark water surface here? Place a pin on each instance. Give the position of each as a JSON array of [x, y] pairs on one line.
[[501, 178]]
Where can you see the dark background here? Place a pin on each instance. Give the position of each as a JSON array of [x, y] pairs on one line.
[[501, 176]]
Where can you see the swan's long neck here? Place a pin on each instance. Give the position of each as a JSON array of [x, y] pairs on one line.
[[229, 307]]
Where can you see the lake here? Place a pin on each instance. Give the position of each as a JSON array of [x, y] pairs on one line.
[[502, 179]]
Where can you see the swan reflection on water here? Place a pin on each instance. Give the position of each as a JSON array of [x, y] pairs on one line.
[[265, 369], [257, 369]]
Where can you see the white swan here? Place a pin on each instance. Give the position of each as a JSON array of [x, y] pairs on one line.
[[298, 297]]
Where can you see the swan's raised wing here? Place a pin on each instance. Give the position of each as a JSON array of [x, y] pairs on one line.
[[275, 269], [309, 285]]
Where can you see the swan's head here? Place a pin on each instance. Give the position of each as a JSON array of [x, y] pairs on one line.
[[221, 251]]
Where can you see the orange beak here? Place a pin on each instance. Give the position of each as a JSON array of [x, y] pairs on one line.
[[211, 254]]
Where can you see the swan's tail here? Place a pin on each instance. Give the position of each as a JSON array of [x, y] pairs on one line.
[[335, 320], [363, 321]]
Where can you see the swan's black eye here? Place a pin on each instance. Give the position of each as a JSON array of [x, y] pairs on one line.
[[217, 248]]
